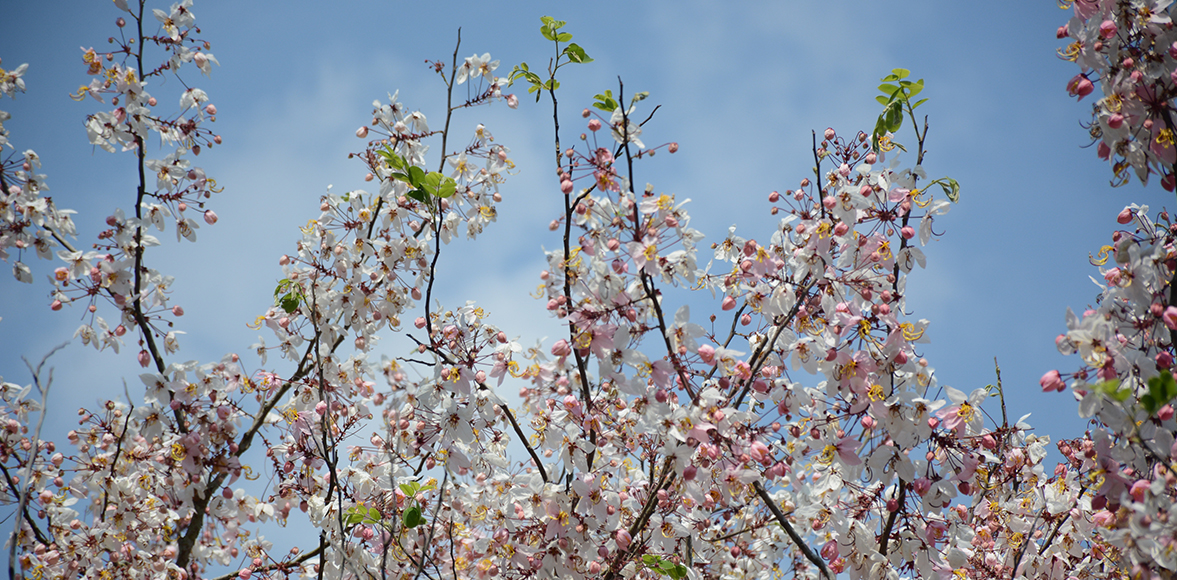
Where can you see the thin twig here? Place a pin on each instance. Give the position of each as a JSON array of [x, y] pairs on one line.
[[34, 451]]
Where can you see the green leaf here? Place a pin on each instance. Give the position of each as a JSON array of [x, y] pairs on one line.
[[900, 73], [552, 22], [289, 303], [576, 54], [606, 102], [1113, 391], [447, 187], [951, 189], [412, 517], [363, 515], [918, 103], [416, 176], [1161, 390], [395, 161], [679, 572], [419, 195], [564, 37], [651, 560], [639, 97], [547, 32], [882, 100], [888, 89]]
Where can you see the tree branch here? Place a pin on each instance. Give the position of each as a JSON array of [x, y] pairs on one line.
[[793, 535]]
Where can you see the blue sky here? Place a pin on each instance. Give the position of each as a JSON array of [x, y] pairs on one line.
[[741, 86]]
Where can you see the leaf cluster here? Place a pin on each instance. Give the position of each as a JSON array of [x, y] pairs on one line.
[[664, 567], [1162, 389], [607, 103], [288, 295], [896, 100], [572, 52], [426, 185]]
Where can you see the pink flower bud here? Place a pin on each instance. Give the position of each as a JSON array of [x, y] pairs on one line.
[[623, 539], [673, 147], [55, 305], [210, 109], [144, 358], [561, 348], [728, 303], [420, 322], [1052, 381], [594, 125], [1170, 317], [512, 101], [1107, 29], [1164, 360], [1139, 488], [707, 353], [362, 132], [907, 232], [1061, 32], [829, 134], [830, 202], [1115, 120], [774, 197], [1125, 216], [566, 186], [245, 574], [177, 311], [841, 229]]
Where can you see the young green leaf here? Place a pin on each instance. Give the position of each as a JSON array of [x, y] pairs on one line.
[[951, 189], [412, 517], [576, 54]]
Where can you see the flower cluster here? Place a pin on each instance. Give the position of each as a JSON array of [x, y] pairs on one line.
[[1130, 49], [795, 429]]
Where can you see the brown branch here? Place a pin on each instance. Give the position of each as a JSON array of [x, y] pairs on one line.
[[534, 457], [639, 525], [277, 566], [885, 540], [793, 535]]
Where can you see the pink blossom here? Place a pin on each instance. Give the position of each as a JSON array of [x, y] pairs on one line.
[[1080, 86], [1052, 381]]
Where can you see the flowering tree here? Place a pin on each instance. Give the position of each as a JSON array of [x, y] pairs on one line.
[[793, 431], [1125, 462]]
